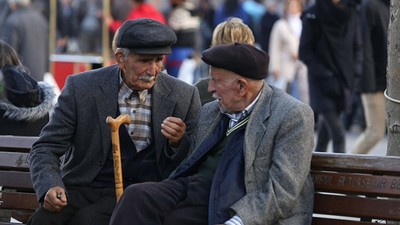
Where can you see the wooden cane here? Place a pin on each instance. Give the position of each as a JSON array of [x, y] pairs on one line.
[[114, 125]]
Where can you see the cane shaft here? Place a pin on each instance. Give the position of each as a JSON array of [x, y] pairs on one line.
[[116, 152], [114, 125]]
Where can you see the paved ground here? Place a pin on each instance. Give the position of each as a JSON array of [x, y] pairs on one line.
[[351, 136]]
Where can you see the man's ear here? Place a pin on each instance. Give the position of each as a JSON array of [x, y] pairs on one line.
[[119, 57], [242, 86]]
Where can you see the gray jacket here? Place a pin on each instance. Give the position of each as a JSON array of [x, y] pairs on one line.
[[278, 146], [78, 130]]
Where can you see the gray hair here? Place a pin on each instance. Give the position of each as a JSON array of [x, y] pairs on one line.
[[125, 51]]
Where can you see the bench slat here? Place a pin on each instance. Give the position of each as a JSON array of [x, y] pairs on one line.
[[16, 200], [386, 209], [21, 142], [377, 185], [388, 165], [14, 160], [15, 180]]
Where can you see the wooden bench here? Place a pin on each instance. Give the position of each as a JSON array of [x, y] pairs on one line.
[[17, 197], [349, 189], [355, 189]]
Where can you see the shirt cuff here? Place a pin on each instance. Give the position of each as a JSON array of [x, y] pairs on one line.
[[234, 221]]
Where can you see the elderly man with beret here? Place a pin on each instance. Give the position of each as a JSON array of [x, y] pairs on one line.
[[71, 163], [251, 158]]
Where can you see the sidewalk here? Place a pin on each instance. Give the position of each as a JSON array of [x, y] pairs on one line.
[[352, 135]]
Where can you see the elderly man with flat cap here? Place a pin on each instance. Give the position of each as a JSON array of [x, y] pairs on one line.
[[71, 163], [251, 158]]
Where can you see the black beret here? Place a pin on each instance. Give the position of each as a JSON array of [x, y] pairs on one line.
[[243, 59], [146, 36], [21, 89]]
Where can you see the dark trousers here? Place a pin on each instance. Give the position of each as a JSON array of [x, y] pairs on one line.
[[170, 202], [330, 127], [86, 206]]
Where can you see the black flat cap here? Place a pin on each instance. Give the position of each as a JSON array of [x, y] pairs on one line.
[[243, 59], [146, 36]]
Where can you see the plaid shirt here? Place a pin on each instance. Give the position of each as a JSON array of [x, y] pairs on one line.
[[137, 104]]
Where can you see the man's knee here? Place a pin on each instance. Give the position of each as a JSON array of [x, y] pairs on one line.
[[44, 217], [142, 190]]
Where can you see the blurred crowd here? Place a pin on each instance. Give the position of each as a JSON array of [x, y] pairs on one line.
[[330, 54]]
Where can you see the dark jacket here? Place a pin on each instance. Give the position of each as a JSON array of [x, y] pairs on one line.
[[331, 47], [375, 21]]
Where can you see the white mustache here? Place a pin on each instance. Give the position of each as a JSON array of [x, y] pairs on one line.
[[147, 78], [215, 96]]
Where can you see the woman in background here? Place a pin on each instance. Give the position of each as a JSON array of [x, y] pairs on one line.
[[27, 103], [285, 65]]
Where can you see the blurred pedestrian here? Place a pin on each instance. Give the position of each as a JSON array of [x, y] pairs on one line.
[[205, 12], [27, 31], [4, 11], [269, 18], [231, 8], [255, 9], [330, 46], [375, 21], [90, 14], [27, 104], [182, 18], [285, 67], [120, 9], [68, 28]]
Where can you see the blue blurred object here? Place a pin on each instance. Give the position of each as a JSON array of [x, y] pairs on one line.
[[175, 59]]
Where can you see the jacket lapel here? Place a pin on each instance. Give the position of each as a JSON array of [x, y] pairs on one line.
[[162, 107], [107, 102], [258, 117]]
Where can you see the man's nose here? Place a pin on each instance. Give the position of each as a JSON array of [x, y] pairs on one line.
[[151, 68]]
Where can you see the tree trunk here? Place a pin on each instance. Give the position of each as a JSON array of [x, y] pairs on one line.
[[393, 81]]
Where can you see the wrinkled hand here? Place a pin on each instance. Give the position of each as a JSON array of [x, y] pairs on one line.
[[55, 199], [173, 129]]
